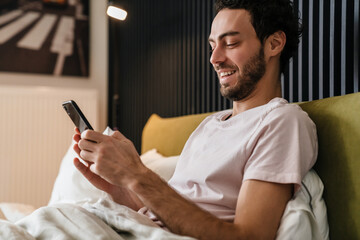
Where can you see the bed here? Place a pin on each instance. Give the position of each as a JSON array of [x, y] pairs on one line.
[[338, 166]]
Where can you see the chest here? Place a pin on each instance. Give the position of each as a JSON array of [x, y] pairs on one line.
[[218, 151]]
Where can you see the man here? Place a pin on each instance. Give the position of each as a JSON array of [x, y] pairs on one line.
[[240, 167]]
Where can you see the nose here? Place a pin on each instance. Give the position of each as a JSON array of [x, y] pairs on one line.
[[217, 56]]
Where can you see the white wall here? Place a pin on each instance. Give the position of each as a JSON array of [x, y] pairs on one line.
[[35, 135], [98, 78]]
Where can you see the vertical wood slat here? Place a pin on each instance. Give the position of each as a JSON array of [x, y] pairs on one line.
[[161, 64], [343, 47], [300, 60], [311, 50], [331, 49], [356, 45], [321, 49], [328, 65]]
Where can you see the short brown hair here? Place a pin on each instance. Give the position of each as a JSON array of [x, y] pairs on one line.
[[268, 17]]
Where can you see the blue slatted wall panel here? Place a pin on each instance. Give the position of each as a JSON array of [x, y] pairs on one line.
[[159, 59]]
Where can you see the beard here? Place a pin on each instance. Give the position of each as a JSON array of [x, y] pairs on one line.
[[251, 73]]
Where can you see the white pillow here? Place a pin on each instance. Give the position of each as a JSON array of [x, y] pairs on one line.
[[305, 215], [163, 166], [150, 155], [72, 187]]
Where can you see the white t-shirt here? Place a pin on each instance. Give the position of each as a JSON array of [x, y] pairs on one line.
[[275, 142]]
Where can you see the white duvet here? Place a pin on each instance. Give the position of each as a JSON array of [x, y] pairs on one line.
[[101, 220], [304, 218]]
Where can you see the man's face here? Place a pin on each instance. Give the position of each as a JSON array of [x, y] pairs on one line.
[[237, 54]]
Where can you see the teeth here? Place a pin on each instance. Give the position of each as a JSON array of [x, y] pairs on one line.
[[223, 74]]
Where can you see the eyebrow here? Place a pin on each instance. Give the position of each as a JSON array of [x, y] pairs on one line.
[[232, 33]]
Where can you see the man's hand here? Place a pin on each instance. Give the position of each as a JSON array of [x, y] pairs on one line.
[[119, 194], [114, 157]]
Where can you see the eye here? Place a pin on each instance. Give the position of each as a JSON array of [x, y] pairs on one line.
[[230, 45]]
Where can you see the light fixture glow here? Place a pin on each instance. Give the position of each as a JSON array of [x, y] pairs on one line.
[[116, 12]]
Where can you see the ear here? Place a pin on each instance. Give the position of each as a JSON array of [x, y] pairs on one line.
[[275, 44]]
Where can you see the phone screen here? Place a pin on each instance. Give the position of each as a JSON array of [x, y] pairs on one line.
[[76, 115]]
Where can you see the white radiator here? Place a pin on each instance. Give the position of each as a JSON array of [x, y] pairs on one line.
[[35, 133]]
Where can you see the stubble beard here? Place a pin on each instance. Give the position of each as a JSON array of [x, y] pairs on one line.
[[251, 74]]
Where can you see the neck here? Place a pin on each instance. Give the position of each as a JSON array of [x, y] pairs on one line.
[[268, 87]]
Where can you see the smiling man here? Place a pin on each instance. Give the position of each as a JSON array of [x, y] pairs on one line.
[[240, 167], [244, 50]]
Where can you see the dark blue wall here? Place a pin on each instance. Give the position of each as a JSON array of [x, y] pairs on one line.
[[159, 59]]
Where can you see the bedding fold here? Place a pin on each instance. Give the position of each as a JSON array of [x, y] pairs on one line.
[[101, 220]]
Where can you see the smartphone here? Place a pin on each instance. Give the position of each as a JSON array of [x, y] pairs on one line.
[[76, 115]]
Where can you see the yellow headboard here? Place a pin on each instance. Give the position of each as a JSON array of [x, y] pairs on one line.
[[169, 135]]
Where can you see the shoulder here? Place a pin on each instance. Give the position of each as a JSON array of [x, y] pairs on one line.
[[280, 111]]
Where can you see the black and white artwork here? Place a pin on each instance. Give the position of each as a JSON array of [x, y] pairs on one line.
[[45, 37]]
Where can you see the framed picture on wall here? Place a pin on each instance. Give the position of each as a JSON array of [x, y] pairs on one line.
[[45, 37]]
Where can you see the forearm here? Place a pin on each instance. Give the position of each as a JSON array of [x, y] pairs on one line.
[[178, 214], [127, 198]]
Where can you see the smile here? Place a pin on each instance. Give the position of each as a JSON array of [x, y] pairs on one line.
[[225, 74]]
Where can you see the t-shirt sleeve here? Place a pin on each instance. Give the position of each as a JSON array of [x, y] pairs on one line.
[[283, 148]]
